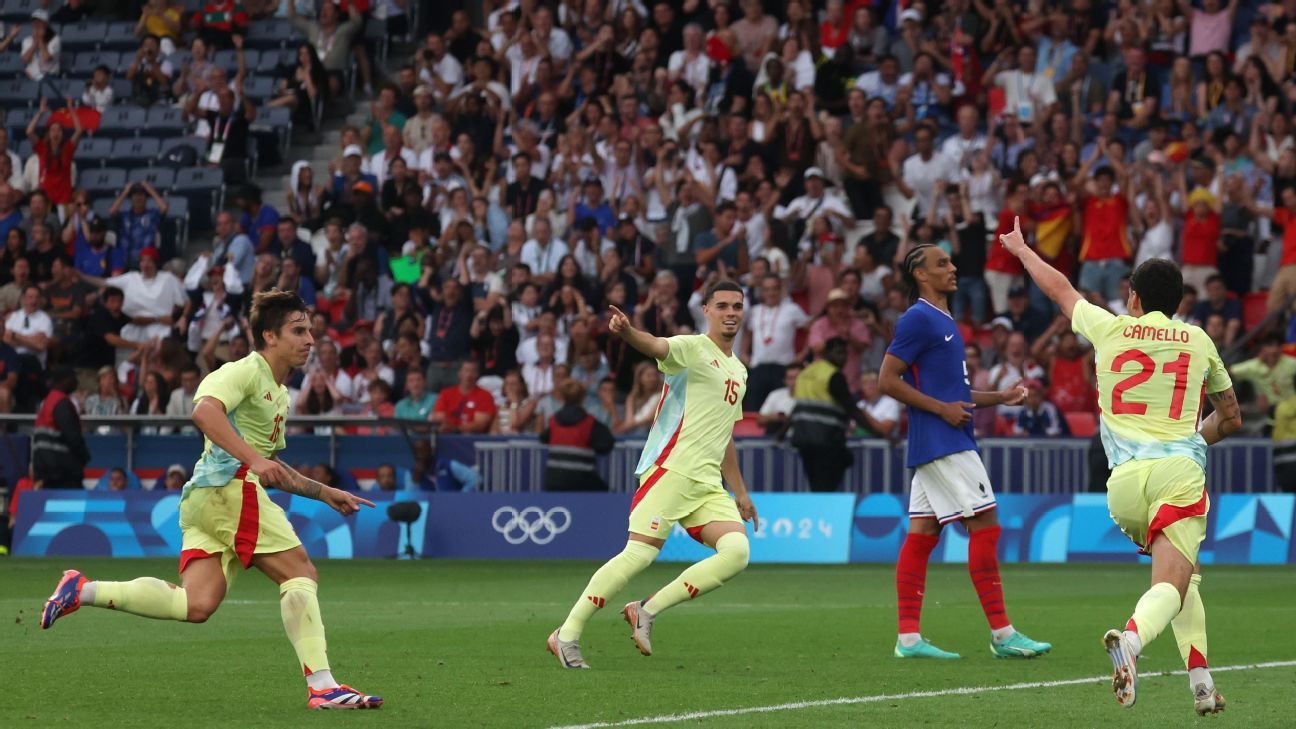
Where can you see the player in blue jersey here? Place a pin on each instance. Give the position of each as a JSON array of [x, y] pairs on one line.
[[925, 368]]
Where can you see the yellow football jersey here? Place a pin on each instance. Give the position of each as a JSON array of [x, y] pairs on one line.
[[1152, 375], [257, 406]]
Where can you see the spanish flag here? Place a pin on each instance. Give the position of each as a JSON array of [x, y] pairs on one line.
[[1052, 228]]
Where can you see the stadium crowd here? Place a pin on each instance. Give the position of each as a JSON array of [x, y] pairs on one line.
[[531, 164]]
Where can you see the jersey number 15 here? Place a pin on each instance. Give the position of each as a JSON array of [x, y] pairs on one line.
[[1178, 368], [731, 391]]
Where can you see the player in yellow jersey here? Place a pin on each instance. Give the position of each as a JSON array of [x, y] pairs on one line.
[[227, 521], [1152, 373], [690, 450]]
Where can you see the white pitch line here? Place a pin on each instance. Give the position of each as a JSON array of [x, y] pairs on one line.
[[848, 700]]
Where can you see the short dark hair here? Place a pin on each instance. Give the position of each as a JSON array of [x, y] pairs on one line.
[[1273, 340], [723, 284], [835, 343], [1159, 284], [1214, 278], [111, 291], [1105, 171], [270, 310]]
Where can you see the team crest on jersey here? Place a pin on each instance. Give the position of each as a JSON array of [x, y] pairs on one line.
[[656, 523]]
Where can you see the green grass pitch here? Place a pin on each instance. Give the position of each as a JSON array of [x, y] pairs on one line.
[[461, 644]]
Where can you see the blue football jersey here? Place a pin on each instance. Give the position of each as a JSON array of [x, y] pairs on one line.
[[928, 340]]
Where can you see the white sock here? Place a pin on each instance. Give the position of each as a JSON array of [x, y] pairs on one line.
[[909, 640], [1200, 675], [321, 680], [1002, 634], [1136, 643], [88, 593]]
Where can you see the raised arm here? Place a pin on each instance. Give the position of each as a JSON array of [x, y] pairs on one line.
[[1225, 421], [647, 344], [1050, 280]]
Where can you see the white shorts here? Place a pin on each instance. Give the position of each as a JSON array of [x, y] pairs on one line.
[[950, 488]]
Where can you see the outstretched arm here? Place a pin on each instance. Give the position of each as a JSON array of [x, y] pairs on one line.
[[1225, 421], [990, 398], [647, 344], [341, 501], [1050, 280]]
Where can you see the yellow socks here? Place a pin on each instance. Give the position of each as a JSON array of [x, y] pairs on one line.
[[1154, 611], [730, 558], [1190, 626], [301, 618], [610, 579], [145, 596]]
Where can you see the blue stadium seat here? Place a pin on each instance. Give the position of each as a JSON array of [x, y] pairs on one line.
[[122, 121], [161, 178], [84, 36], [175, 229], [258, 88], [273, 61], [269, 33], [16, 121], [204, 187], [275, 120], [179, 59], [18, 11], [94, 152], [101, 206], [122, 90], [25, 148], [165, 121], [134, 152], [87, 61], [107, 181], [228, 60], [17, 93], [120, 37], [10, 64]]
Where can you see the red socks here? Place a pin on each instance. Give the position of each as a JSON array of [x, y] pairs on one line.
[[911, 579], [983, 565]]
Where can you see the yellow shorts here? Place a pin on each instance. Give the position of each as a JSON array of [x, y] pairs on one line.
[[665, 497], [1160, 497], [235, 522]]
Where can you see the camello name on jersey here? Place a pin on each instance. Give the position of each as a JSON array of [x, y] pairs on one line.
[[1156, 334]]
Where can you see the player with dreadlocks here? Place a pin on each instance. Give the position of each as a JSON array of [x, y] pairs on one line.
[[926, 370]]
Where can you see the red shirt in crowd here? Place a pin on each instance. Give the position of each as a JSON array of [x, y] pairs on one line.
[[56, 174], [999, 259], [460, 407], [1287, 220], [1105, 234], [1201, 239]]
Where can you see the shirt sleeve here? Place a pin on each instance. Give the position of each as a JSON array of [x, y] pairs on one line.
[[1217, 376], [229, 385], [679, 353], [1088, 320], [910, 339]]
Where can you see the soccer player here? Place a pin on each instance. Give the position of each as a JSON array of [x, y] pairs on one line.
[[227, 521], [1152, 372], [925, 368], [689, 450]]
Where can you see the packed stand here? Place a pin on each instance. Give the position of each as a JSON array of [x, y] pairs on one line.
[[531, 165]]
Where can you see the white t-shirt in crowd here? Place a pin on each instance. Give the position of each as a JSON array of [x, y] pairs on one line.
[[158, 296], [37, 322], [921, 176], [773, 332], [886, 408], [543, 259], [779, 401]]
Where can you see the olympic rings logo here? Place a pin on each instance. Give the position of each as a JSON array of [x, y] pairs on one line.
[[531, 523]]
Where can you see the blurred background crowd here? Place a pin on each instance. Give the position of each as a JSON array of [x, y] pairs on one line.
[[469, 187]]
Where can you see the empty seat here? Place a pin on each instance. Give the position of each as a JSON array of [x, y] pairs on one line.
[[16, 122], [83, 36], [17, 92], [86, 62], [268, 33], [105, 181], [165, 120], [258, 88], [161, 178], [175, 229], [203, 186], [274, 61], [18, 11], [10, 64], [94, 152], [135, 151], [122, 90], [179, 59], [120, 37], [101, 206], [277, 119], [228, 60], [122, 121]]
